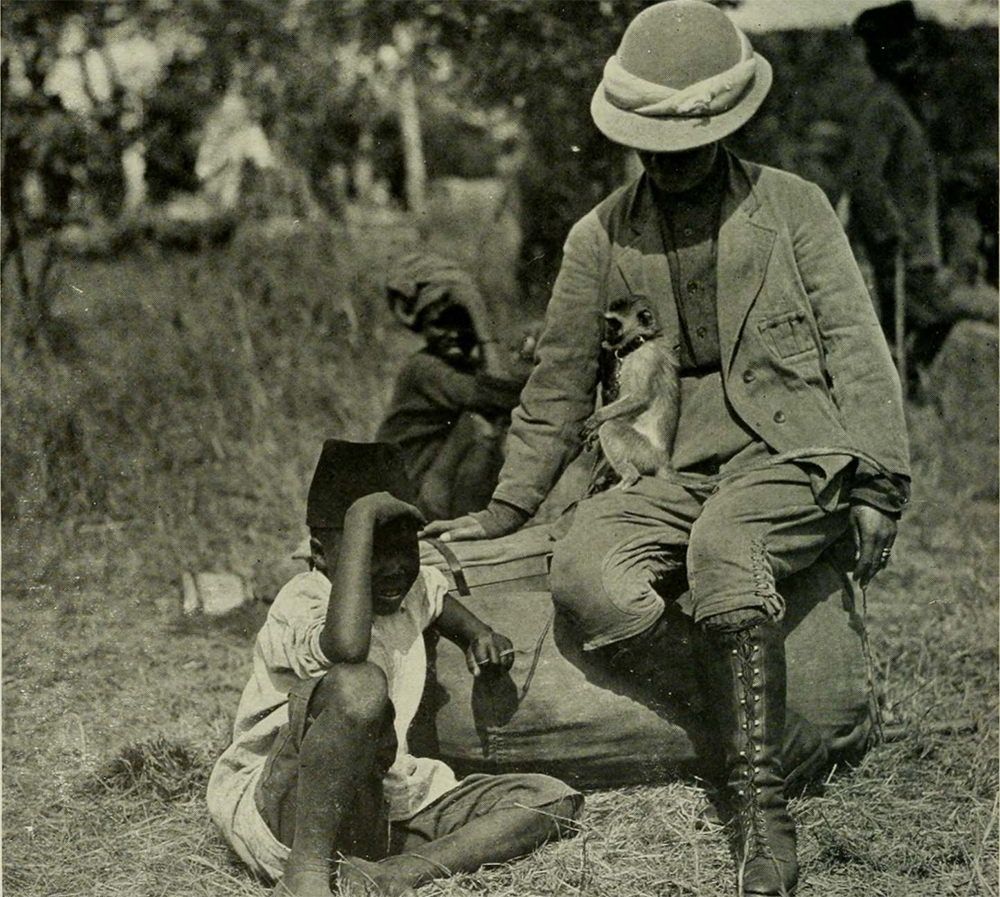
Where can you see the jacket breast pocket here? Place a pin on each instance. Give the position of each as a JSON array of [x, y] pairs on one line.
[[787, 334]]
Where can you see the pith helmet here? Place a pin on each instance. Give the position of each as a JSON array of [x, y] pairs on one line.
[[683, 76]]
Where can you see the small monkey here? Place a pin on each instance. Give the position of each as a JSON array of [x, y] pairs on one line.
[[637, 430]]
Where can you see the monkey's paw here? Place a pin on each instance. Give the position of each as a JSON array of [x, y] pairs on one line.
[[630, 475], [589, 431]]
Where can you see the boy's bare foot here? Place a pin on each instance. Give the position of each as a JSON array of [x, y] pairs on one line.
[[306, 883], [360, 878]]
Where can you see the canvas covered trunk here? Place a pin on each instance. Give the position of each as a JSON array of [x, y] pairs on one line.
[[564, 711]]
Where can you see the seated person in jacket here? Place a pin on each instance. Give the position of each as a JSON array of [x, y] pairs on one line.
[[452, 399], [789, 431], [318, 783]]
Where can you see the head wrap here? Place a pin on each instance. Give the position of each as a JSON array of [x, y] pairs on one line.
[[419, 280]]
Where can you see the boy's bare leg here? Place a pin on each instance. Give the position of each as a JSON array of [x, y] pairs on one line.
[[493, 838], [337, 754]]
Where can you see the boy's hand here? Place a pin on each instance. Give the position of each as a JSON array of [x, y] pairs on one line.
[[381, 507], [489, 650]]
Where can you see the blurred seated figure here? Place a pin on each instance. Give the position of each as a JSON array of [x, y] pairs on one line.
[[452, 400], [969, 241]]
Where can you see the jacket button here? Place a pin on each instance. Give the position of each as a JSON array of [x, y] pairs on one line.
[[779, 417], [749, 376]]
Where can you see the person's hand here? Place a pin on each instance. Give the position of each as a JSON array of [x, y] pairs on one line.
[[381, 507], [491, 651], [459, 529], [874, 532]]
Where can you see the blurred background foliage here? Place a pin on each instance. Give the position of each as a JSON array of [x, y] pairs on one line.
[[130, 359], [501, 87]]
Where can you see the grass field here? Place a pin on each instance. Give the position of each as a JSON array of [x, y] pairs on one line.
[[180, 436]]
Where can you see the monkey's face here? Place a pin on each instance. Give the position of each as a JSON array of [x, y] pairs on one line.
[[628, 324]]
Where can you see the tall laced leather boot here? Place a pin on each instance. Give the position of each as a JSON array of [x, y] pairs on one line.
[[744, 664]]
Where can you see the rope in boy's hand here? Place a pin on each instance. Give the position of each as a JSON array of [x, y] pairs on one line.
[[489, 650]]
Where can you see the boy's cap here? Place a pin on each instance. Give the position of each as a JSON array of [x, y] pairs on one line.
[[347, 471], [419, 280]]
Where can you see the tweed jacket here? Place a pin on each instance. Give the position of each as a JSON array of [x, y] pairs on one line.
[[804, 360]]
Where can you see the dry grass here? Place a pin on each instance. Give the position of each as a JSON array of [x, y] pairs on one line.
[[173, 446]]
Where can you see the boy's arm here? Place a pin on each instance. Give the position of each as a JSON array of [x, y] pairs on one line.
[[347, 631], [481, 644]]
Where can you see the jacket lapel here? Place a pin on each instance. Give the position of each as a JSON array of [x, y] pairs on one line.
[[746, 239], [640, 261]]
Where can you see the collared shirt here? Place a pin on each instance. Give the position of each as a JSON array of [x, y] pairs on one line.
[[709, 433], [689, 225]]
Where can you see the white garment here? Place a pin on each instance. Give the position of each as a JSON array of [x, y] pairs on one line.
[[286, 651]]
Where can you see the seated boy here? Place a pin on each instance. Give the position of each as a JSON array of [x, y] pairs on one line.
[[318, 779], [452, 399]]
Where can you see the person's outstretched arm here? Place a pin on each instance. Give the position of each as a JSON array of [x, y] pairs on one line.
[[443, 386], [559, 396], [865, 385]]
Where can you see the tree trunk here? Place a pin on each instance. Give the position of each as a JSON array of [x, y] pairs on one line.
[[409, 123], [364, 169], [413, 151]]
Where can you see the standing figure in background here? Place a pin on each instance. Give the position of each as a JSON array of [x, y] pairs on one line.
[[452, 400], [894, 190], [825, 159]]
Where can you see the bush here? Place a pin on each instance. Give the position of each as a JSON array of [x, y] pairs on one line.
[[159, 768], [203, 388]]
